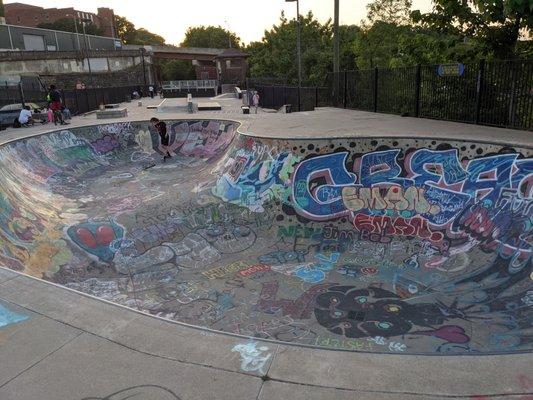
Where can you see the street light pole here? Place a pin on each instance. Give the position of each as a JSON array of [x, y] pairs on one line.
[[336, 53], [336, 40], [299, 39], [83, 21]]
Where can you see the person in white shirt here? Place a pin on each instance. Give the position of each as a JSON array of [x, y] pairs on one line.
[[255, 101], [152, 91], [25, 116]]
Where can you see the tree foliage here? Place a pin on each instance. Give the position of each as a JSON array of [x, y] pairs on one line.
[[176, 70], [128, 34], [70, 25], [495, 24], [276, 54], [396, 12], [211, 37], [393, 35]]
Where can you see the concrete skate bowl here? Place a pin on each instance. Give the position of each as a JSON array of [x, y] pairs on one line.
[[386, 245]]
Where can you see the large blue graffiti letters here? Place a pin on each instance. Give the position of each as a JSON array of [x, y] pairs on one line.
[[381, 167], [488, 175], [326, 202], [437, 167]]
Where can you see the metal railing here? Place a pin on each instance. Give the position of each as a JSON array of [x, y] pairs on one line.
[[187, 85], [498, 93], [78, 101]]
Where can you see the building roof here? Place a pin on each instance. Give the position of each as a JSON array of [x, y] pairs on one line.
[[230, 53]]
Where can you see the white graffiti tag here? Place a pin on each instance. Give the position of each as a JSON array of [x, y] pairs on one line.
[[253, 358]]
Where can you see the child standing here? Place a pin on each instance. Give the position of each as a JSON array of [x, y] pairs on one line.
[[161, 128], [255, 101]]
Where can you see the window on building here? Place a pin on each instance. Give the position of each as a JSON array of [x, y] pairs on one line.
[[33, 42], [228, 63]]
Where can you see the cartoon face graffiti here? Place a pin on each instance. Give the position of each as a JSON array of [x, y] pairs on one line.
[[354, 313]]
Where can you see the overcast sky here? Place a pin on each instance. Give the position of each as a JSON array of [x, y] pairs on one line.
[[248, 18]]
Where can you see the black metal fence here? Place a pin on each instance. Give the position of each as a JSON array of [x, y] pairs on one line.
[[496, 93], [304, 99], [78, 101]]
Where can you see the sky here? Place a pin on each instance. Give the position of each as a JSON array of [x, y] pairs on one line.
[[248, 18]]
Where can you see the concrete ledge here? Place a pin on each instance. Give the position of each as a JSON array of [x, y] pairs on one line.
[[112, 113]]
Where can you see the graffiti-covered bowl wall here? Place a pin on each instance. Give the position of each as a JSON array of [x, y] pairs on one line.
[[419, 246]]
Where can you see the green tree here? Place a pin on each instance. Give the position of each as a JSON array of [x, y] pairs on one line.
[[125, 29], [348, 36], [422, 46], [211, 37], [176, 70], [144, 37], [396, 12], [70, 25], [276, 54], [495, 24], [128, 34], [378, 45]]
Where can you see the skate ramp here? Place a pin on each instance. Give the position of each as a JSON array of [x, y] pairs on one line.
[[386, 245]]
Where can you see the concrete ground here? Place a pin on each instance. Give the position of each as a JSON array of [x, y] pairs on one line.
[[59, 344]]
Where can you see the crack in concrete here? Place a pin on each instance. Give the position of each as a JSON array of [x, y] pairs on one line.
[[43, 358]]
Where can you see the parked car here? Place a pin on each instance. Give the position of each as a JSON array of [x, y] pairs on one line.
[[10, 112]]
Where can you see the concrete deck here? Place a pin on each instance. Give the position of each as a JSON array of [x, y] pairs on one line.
[[69, 345], [322, 123]]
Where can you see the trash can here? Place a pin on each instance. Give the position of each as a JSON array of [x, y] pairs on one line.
[[245, 110]]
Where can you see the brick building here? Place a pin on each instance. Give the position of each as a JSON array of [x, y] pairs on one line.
[[28, 15]]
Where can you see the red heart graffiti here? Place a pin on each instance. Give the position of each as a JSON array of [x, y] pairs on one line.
[[104, 236], [450, 333]]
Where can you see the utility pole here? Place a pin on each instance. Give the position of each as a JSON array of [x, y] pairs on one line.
[[77, 33], [336, 52], [2, 13], [299, 48], [83, 21], [336, 40]]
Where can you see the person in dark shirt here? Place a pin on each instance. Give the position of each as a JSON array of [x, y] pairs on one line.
[[161, 128], [54, 104]]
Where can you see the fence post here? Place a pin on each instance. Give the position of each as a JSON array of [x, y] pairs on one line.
[[418, 82], [21, 91], [316, 96], [376, 89], [345, 100], [479, 89], [86, 101], [76, 93]]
